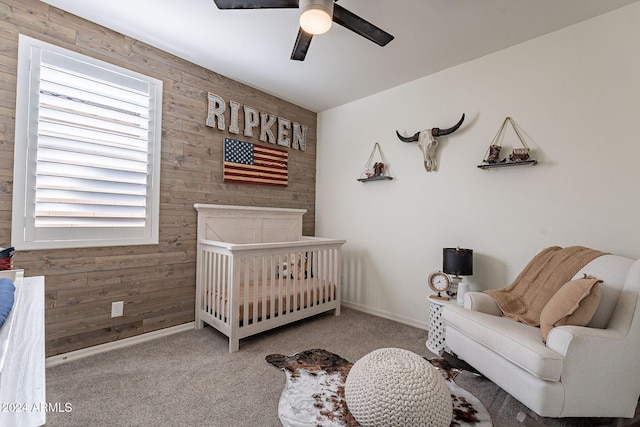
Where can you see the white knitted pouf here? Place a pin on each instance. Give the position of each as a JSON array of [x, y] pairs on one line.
[[395, 387]]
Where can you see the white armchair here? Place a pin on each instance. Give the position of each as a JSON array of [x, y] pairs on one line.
[[581, 371]]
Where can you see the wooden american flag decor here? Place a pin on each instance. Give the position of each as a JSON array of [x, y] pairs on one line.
[[249, 163]]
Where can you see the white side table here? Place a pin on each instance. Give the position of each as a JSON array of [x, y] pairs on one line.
[[435, 339]]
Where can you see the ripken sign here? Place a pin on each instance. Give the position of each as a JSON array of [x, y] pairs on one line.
[[271, 128]]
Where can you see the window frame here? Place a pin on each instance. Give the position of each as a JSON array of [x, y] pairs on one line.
[[25, 235]]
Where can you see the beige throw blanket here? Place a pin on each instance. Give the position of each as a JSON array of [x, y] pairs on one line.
[[525, 298]]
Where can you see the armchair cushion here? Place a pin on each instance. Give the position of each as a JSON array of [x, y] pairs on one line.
[[518, 343], [573, 304]]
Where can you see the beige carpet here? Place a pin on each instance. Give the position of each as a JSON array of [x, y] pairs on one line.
[[189, 379]]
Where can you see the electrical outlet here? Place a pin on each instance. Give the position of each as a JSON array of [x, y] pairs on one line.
[[117, 309]]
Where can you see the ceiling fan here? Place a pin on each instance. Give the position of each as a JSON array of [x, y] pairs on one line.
[[315, 18]]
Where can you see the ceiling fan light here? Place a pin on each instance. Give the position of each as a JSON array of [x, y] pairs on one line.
[[316, 16]]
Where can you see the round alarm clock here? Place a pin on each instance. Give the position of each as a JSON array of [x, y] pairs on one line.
[[439, 282]]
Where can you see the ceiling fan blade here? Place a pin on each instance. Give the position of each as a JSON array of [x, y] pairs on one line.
[[359, 26], [302, 45], [255, 4]]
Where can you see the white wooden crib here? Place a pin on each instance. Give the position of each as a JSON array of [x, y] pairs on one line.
[[255, 270]]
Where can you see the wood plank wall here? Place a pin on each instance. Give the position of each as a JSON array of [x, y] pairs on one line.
[[156, 282]]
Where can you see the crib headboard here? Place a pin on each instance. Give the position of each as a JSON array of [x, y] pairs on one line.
[[248, 224]]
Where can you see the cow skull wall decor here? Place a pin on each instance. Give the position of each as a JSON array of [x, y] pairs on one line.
[[428, 143]]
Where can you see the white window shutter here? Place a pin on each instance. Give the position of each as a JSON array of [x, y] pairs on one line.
[[90, 132]]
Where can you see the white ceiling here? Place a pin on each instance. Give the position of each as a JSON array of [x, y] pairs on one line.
[[253, 46]]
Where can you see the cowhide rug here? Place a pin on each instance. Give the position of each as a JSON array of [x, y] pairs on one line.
[[314, 393]]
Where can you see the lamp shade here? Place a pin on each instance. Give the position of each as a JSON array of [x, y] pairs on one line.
[[457, 261], [316, 15]]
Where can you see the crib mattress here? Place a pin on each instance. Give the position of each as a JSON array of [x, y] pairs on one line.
[[308, 293]]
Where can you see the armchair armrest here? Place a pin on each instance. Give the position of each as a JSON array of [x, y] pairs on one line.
[[588, 355], [582, 338], [479, 301]]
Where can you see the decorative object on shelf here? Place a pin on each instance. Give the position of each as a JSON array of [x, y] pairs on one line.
[[428, 143], [439, 282], [375, 171], [518, 156], [458, 262]]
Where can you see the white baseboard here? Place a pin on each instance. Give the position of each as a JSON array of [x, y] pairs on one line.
[[126, 342], [386, 315]]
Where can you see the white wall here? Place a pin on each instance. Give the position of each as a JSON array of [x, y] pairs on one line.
[[574, 93]]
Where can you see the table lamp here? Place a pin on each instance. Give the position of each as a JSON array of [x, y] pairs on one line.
[[457, 262]]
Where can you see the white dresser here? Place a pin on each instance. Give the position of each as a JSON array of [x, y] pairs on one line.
[[22, 372]]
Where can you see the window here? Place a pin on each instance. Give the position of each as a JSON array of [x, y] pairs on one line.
[[87, 152]]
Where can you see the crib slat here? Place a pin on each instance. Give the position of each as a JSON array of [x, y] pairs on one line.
[[334, 275], [279, 286], [304, 295], [334, 270], [321, 273], [213, 289], [256, 289], [332, 278], [222, 298], [273, 262], [202, 280], [306, 301], [209, 292], [213, 305], [233, 276], [295, 283], [243, 279], [300, 284], [327, 276], [317, 271], [292, 283], [316, 277], [328, 293], [264, 278], [284, 295], [218, 292]]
